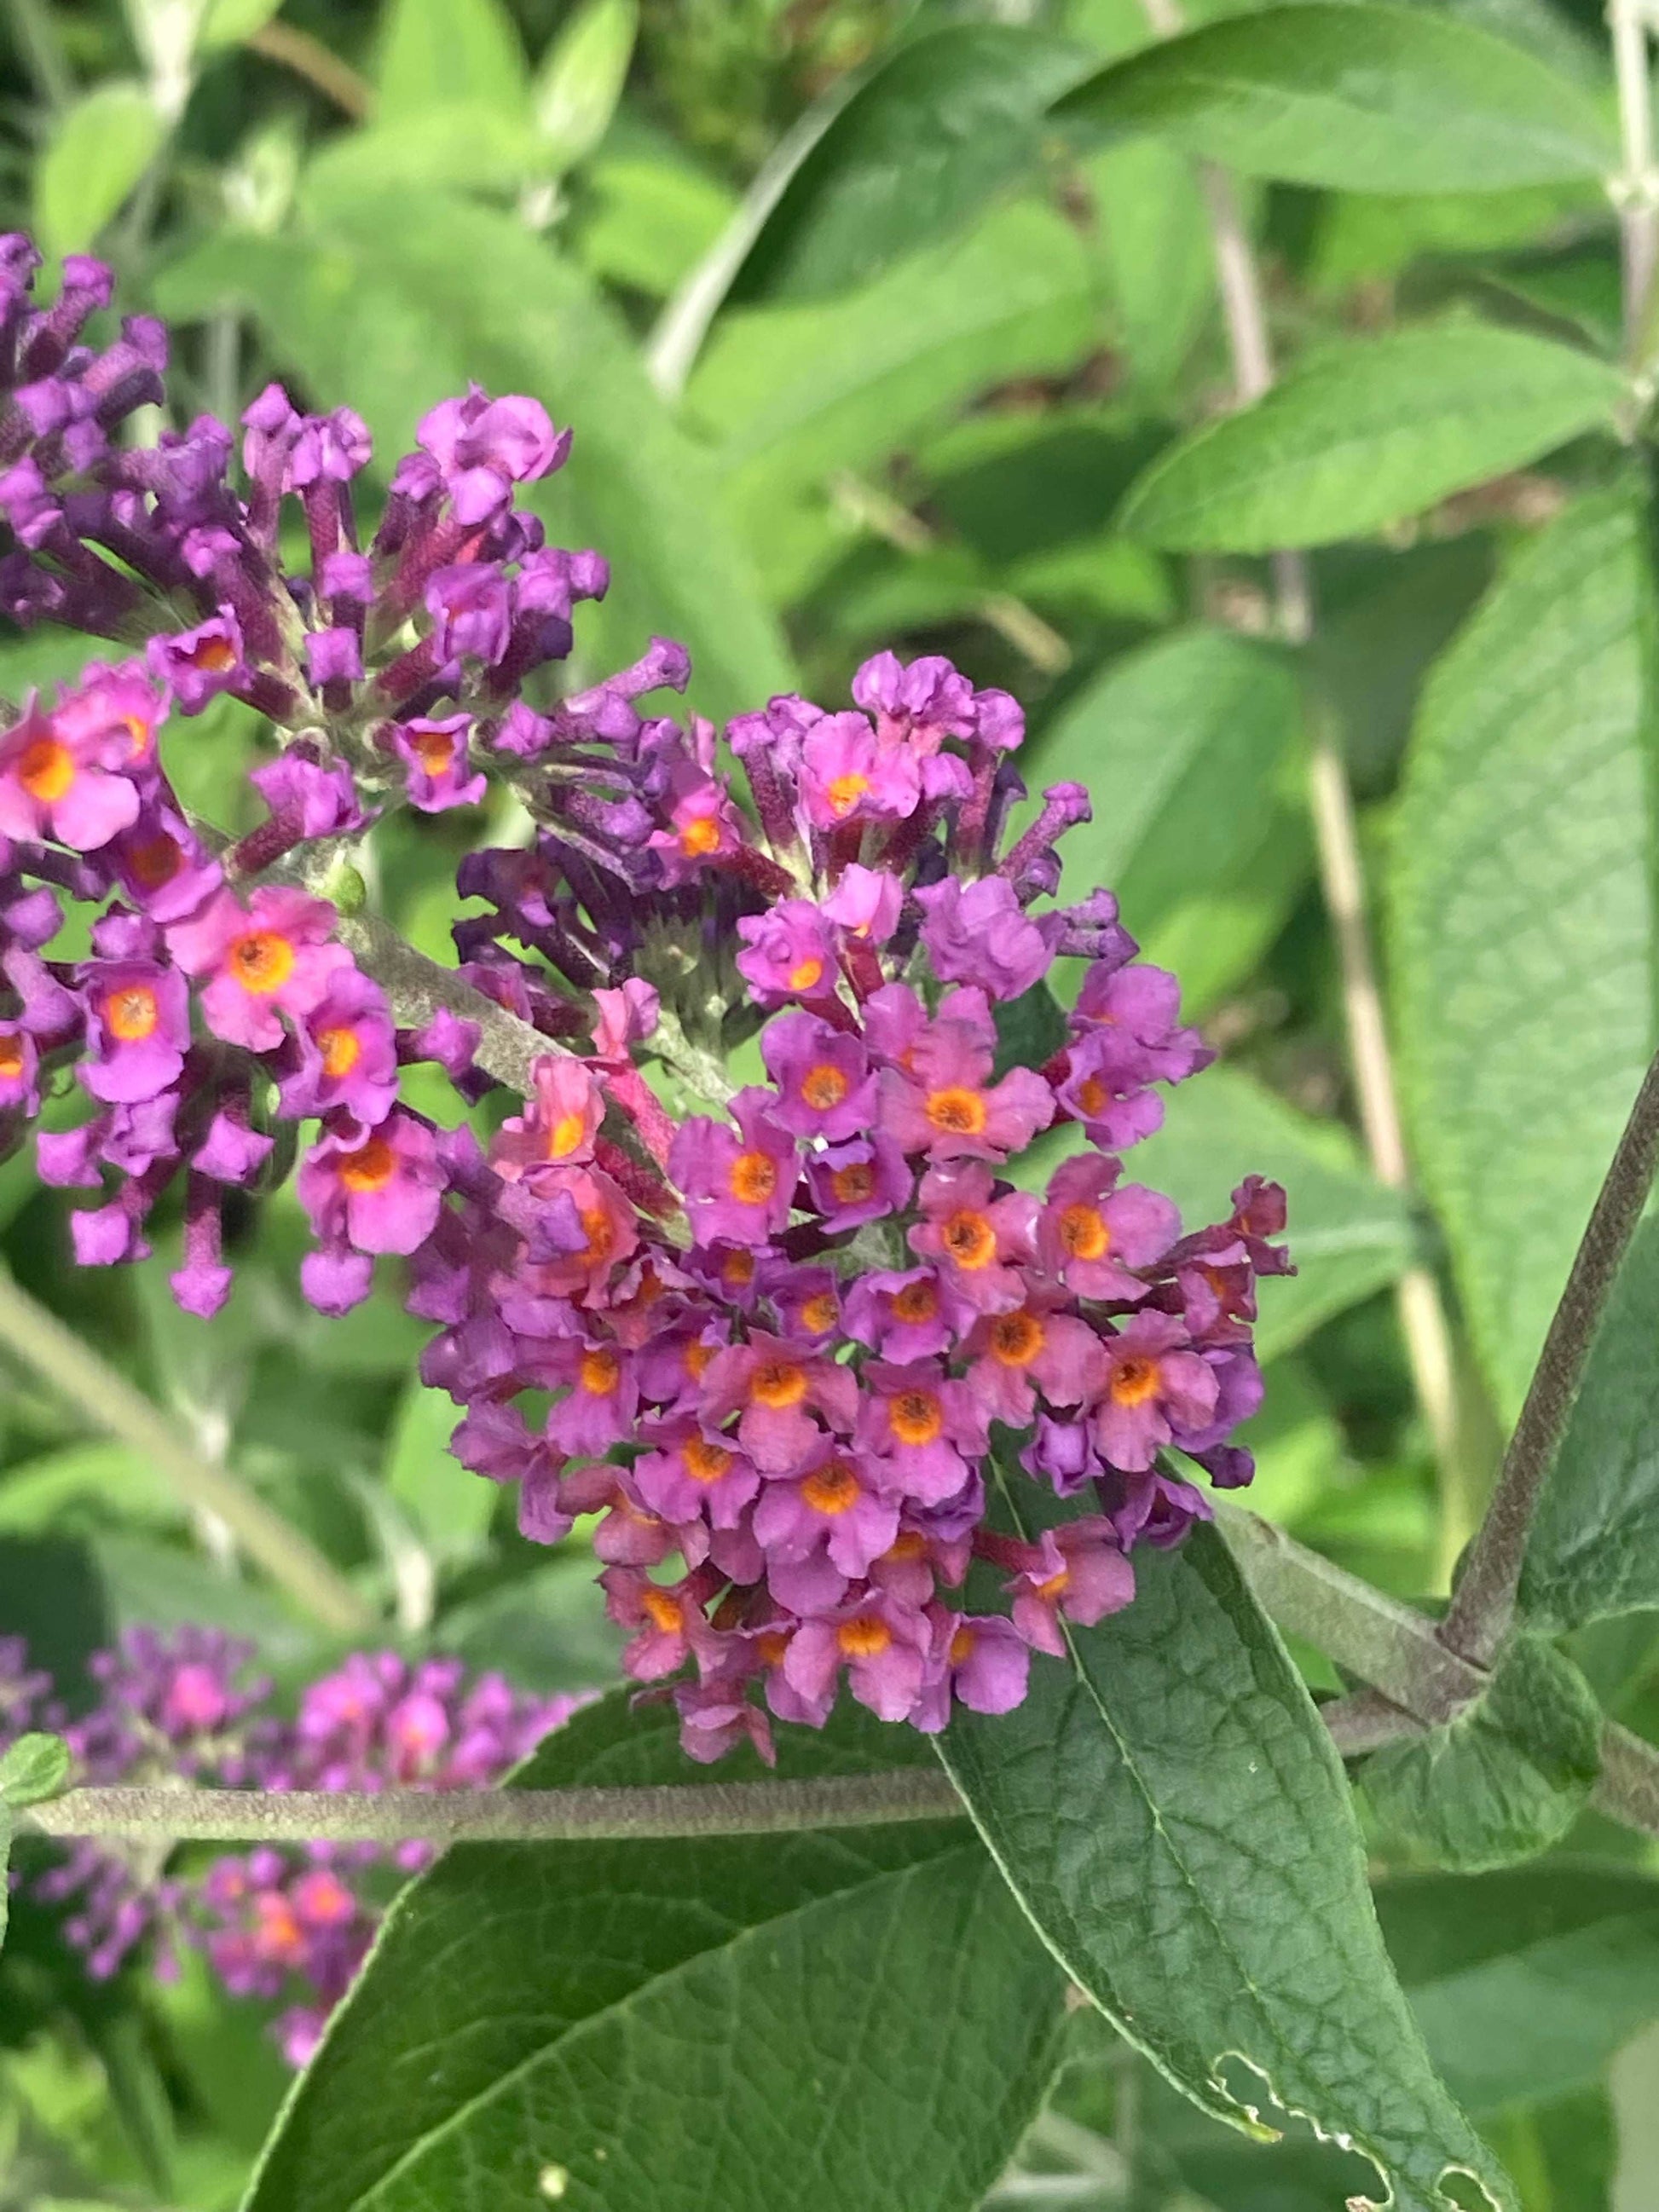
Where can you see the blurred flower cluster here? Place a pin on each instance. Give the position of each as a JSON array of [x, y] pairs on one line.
[[291, 1923], [786, 1341]]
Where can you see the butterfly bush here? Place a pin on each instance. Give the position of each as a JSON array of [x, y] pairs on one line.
[[294, 1923], [774, 1337]]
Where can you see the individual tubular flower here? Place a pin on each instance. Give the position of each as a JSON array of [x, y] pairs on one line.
[[274, 957]]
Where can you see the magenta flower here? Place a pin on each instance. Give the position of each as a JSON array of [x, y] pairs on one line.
[[200, 663], [737, 1184], [600, 1402], [1155, 1388], [668, 1618], [924, 1427], [847, 776], [980, 1243], [1076, 1572], [117, 709], [1092, 1235], [435, 752], [1140, 1007], [348, 1053], [789, 953], [943, 1102], [271, 957], [691, 1476], [380, 1190], [834, 1509], [979, 1660], [557, 1126], [865, 903], [70, 785], [20, 1070], [1033, 1346], [979, 933], [823, 1076], [860, 1181], [882, 1645], [483, 447], [775, 1388], [902, 1314], [137, 1028]]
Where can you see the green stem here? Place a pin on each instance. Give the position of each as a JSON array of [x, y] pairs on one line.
[[500, 1816], [1483, 1606], [108, 1402]]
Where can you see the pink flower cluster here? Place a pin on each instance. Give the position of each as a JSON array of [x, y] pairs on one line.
[[291, 1923]]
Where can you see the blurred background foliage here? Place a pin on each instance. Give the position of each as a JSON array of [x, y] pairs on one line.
[[860, 351]]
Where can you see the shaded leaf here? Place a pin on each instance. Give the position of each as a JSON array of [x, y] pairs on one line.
[[1168, 1809], [449, 1506], [98, 151], [1504, 1779], [1367, 432], [435, 53], [917, 149], [1523, 918], [33, 1768], [1359, 97], [1525, 1983], [662, 2026]]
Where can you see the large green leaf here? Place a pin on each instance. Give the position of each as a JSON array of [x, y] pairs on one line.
[[1186, 745], [1153, 238], [666, 2026], [1594, 1547], [920, 146], [797, 394], [1503, 1779], [98, 151], [1367, 432], [1362, 98], [437, 52], [1170, 1810], [1524, 918], [1525, 1983], [390, 302]]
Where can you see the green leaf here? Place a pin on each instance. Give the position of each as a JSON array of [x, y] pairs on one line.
[[1594, 1547], [1504, 1779], [645, 221], [919, 147], [1523, 918], [1361, 98], [435, 53], [798, 394], [394, 301], [1347, 1234], [1191, 737], [580, 80], [33, 1768], [98, 151], [82, 1480], [449, 1506], [666, 2026], [229, 22], [1367, 432], [1525, 1983], [1156, 249], [1170, 1811]]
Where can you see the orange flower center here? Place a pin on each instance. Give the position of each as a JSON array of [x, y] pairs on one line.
[[823, 1086], [132, 1013], [971, 1240], [700, 834], [820, 1313], [697, 1357], [772, 1646], [661, 1610], [565, 1135], [956, 1111], [279, 1938], [215, 655], [864, 1637], [705, 1462], [342, 1049], [962, 1645], [46, 769], [844, 794], [753, 1178], [599, 1231], [1084, 1233], [371, 1167], [262, 961], [600, 1373], [737, 1270], [916, 1301], [1055, 1588], [11, 1056], [778, 1383], [916, 1416], [155, 862], [852, 1186], [911, 1545], [138, 735], [1135, 1382], [831, 1489], [1016, 1339], [806, 974], [1093, 1096]]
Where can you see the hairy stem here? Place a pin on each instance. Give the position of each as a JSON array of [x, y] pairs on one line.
[[500, 1816], [1484, 1605], [1423, 1321], [109, 1402], [1636, 190]]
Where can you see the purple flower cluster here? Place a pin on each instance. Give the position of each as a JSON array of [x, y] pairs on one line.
[[181, 1708], [784, 1341]]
